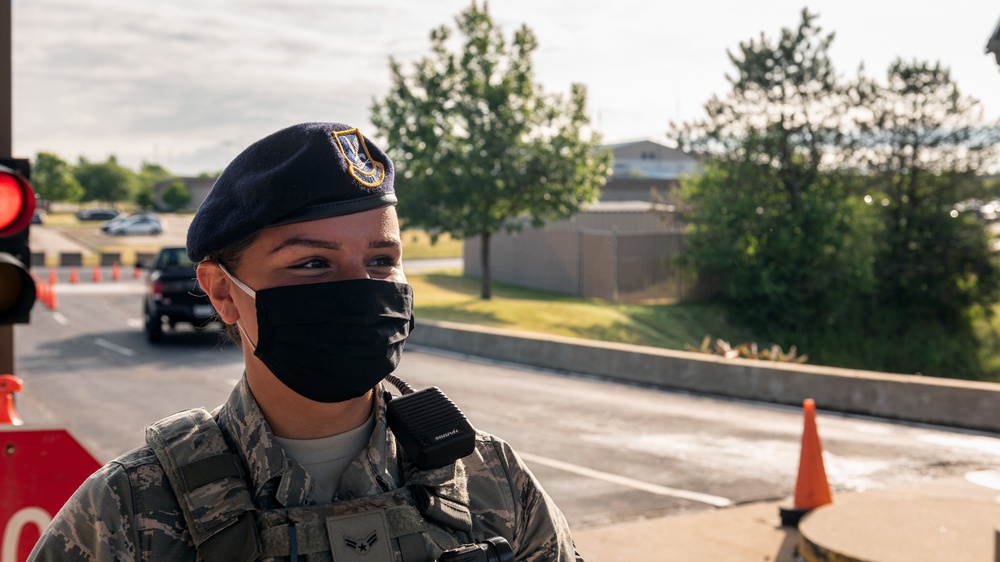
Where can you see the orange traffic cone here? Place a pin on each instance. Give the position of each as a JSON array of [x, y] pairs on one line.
[[116, 273], [52, 297], [40, 293], [9, 384], [136, 272], [97, 274], [811, 488], [53, 277], [74, 277]]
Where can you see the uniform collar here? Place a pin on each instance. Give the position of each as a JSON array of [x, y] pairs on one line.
[[275, 477]]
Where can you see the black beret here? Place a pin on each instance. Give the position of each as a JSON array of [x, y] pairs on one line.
[[305, 172]]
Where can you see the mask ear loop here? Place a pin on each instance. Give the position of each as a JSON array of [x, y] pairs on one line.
[[253, 295]]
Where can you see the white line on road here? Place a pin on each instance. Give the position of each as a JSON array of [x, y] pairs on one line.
[[985, 478], [716, 501], [100, 289], [114, 347], [60, 318]]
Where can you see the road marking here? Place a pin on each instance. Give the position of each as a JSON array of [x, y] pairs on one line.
[[101, 289], [134, 323], [60, 318], [114, 347], [716, 501], [985, 478]]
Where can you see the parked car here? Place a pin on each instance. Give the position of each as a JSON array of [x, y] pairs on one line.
[[173, 295], [97, 214], [120, 219], [37, 218], [141, 224]]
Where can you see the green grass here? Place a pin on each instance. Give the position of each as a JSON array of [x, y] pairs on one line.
[[417, 245], [453, 298], [900, 345]]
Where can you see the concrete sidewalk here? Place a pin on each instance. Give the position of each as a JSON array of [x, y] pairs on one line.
[[946, 520], [746, 533]]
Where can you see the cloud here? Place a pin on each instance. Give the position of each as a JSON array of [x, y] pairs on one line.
[[187, 81]]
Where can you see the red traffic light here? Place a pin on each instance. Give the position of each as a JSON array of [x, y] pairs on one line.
[[17, 207], [17, 202]]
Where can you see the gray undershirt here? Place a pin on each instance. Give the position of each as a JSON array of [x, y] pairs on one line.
[[326, 458]]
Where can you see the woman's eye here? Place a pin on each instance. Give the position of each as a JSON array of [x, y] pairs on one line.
[[384, 261], [315, 263]]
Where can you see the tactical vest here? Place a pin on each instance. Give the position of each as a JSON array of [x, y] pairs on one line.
[[414, 523]]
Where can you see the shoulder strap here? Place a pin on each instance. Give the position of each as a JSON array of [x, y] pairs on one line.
[[207, 479]]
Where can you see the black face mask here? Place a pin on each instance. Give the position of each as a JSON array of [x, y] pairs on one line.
[[332, 341]]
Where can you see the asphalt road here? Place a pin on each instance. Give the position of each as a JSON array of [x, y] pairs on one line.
[[605, 452]]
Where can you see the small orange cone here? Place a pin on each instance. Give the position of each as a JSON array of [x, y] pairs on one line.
[[74, 277], [9, 384], [53, 277], [40, 293], [136, 272], [97, 274], [52, 298], [811, 488], [116, 273]]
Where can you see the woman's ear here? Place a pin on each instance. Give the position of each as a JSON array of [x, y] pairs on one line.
[[218, 288]]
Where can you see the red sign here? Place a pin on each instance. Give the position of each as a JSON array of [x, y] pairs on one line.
[[41, 469]]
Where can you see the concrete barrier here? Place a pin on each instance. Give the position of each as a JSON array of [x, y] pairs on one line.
[[948, 402], [70, 258], [144, 258]]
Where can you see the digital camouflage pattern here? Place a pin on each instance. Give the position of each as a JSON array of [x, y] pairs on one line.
[[128, 511]]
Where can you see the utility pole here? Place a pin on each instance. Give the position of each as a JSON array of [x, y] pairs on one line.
[[6, 151]]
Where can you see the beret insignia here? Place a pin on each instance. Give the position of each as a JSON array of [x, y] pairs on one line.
[[364, 169]]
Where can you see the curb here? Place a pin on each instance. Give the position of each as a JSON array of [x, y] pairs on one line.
[[912, 398]]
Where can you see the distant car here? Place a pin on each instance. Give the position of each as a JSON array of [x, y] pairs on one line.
[[37, 217], [97, 214], [141, 224], [107, 226], [172, 294]]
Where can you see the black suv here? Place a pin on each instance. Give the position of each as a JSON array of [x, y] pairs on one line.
[[173, 294]]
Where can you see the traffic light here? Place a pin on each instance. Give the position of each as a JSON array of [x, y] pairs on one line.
[[17, 207]]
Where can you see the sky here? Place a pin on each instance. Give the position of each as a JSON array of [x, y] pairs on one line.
[[189, 83]]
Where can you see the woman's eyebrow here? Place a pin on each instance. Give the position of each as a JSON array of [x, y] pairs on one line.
[[332, 245], [307, 242], [385, 243]]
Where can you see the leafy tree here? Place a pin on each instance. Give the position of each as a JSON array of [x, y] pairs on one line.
[[767, 214], [176, 195], [149, 175], [923, 145], [107, 181], [480, 145], [52, 178]]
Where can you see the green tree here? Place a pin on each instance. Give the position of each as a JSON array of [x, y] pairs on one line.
[[767, 214], [176, 195], [107, 181], [52, 178], [480, 145], [923, 146], [148, 176]]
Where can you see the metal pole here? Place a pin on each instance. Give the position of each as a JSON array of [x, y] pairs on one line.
[[614, 264], [6, 332]]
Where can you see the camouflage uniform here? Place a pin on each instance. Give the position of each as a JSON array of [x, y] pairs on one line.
[[127, 510]]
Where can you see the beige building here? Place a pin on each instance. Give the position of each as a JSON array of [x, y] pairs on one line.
[[624, 248], [197, 187], [647, 171]]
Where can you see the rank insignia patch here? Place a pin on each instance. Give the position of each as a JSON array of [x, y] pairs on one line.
[[364, 169]]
